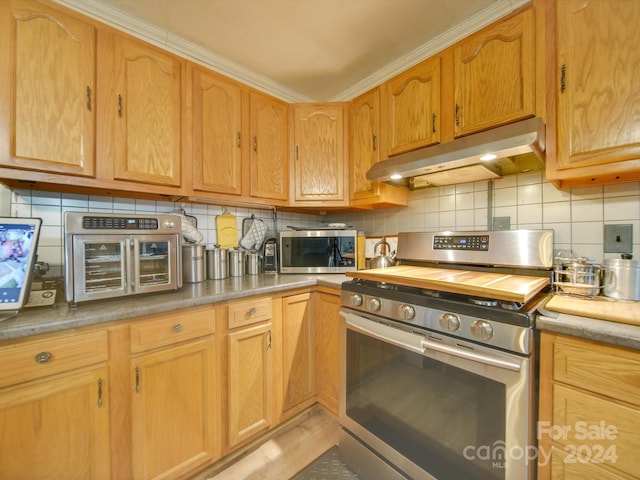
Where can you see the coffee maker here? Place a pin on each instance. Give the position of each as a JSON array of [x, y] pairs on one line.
[[270, 255]]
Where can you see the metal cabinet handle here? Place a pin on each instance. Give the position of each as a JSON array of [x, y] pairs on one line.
[[238, 140], [252, 311], [177, 328], [457, 114], [255, 144], [269, 340], [433, 123], [88, 98], [137, 379], [43, 357], [100, 392], [120, 106], [563, 77], [375, 143], [296, 152]]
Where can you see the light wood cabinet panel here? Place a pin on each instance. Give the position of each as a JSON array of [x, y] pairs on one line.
[[47, 104], [364, 152], [56, 428], [597, 93], [589, 416], [173, 410], [268, 158], [494, 74], [411, 108], [298, 350], [250, 382], [217, 133], [327, 349], [319, 152], [148, 114]]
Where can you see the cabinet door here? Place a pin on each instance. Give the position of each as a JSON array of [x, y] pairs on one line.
[[250, 392], [148, 122], [269, 159], [56, 428], [327, 349], [47, 104], [319, 167], [173, 410], [217, 124], [597, 82], [364, 126], [495, 75], [411, 108], [298, 350]]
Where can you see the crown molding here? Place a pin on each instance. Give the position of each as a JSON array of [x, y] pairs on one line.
[[179, 46]]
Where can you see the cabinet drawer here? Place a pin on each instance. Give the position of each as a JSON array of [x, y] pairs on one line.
[[565, 464], [610, 371], [592, 426], [30, 360], [249, 311], [167, 329]]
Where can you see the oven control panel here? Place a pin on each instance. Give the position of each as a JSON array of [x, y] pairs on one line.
[[461, 242], [90, 222]]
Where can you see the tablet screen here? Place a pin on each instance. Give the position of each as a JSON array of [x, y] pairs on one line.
[[18, 244]]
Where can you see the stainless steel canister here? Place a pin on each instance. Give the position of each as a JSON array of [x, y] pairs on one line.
[[217, 263], [236, 263], [622, 279], [254, 263], [193, 258]]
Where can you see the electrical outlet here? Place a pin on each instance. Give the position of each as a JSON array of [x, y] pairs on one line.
[[501, 223], [618, 238]]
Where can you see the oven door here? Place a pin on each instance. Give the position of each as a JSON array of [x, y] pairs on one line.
[[155, 266], [101, 267], [433, 406]]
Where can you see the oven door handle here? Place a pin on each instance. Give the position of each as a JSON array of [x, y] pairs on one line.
[[470, 355], [386, 334]]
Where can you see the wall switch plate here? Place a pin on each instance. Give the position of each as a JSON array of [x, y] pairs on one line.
[[618, 238], [501, 223]]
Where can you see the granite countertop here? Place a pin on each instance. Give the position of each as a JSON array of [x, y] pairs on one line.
[[596, 329], [37, 320]]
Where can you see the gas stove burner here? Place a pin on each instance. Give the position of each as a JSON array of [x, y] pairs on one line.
[[432, 293], [485, 302], [387, 286]]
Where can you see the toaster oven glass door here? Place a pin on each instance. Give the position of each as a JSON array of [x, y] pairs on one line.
[[153, 262]]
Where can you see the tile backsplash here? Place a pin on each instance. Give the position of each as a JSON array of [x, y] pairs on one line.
[[577, 216]]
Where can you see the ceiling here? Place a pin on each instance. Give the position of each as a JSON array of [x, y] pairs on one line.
[[301, 50]]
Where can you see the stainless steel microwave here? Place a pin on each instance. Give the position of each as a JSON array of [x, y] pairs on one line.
[[318, 251], [112, 255]]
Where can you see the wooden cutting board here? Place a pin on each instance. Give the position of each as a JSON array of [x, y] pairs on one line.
[[602, 308], [512, 288]]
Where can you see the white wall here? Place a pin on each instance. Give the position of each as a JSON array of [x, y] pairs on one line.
[[577, 216]]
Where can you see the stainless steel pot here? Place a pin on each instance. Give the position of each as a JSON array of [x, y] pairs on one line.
[[193, 255], [578, 276], [622, 279], [217, 263]]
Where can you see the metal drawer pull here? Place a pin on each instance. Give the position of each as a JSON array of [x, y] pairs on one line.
[[252, 311], [43, 357], [269, 342], [177, 328], [99, 392], [137, 379]]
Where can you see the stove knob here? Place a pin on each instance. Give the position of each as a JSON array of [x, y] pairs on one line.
[[374, 304], [355, 300], [407, 312], [449, 322], [482, 330]]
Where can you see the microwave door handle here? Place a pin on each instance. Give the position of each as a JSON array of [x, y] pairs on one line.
[[126, 268], [135, 259]]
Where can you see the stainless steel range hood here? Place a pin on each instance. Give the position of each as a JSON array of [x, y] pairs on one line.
[[518, 147]]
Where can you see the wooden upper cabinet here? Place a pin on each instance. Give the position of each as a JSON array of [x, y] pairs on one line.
[[148, 113], [411, 108], [319, 153], [217, 133], [597, 92], [268, 158], [494, 75], [47, 104]]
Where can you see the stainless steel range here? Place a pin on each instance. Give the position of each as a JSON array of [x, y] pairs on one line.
[[438, 365]]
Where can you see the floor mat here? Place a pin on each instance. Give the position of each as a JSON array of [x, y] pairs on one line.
[[329, 466]]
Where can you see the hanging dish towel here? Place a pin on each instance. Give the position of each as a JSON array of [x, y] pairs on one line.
[[227, 230], [254, 237]]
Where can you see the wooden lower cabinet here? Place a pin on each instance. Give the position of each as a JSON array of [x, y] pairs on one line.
[[589, 422], [173, 420], [57, 427], [327, 308], [298, 352]]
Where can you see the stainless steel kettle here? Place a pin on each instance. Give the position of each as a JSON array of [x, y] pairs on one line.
[[383, 260]]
